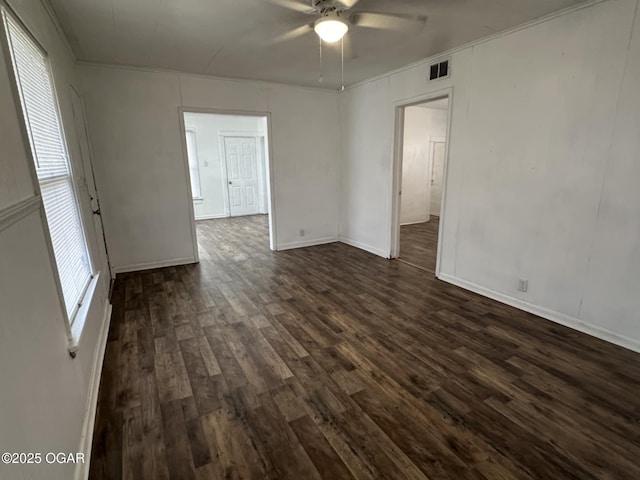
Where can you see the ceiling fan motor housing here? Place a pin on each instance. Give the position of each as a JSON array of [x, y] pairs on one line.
[[326, 7]]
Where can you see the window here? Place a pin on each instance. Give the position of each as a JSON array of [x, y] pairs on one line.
[[194, 169], [51, 159]]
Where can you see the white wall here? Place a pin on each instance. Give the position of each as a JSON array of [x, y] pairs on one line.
[[134, 127], [421, 124], [45, 393], [542, 171], [208, 129]]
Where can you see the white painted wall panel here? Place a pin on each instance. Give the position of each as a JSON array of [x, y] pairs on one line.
[[224, 94], [44, 390], [306, 161], [15, 179], [543, 150], [138, 156], [537, 185], [613, 271], [366, 123], [133, 118]]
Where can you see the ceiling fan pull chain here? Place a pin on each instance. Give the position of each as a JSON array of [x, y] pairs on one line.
[[321, 73], [342, 61]]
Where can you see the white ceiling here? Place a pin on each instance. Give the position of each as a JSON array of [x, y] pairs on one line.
[[234, 38]]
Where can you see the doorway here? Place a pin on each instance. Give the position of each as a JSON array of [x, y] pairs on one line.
[[229, 172], [421, 150]]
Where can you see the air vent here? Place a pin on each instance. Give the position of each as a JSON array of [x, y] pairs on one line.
[[439, 70]]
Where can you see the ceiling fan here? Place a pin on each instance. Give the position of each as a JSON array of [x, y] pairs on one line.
[[335, 18]]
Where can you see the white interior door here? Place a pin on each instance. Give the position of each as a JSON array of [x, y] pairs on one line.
[[242, 175], [437, 172]]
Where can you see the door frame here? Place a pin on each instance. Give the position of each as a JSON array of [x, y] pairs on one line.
[[271, 210], [396, 181], [90, 183], [222, 134], [432, 156]]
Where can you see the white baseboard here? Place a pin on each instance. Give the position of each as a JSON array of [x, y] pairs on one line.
[[212, 217], [86, 441], [416, 222], [364, 246], [306, 243], [557, 317], [148, 266]]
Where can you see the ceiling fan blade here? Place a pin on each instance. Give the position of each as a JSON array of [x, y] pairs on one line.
[[295, 33], [295, 5], [348, 3], [387, 21]]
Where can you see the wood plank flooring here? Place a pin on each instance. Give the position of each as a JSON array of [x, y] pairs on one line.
[[329, 362], [419, 243]]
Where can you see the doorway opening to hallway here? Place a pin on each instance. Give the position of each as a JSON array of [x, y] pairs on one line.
[[422, 136], [228, 163]]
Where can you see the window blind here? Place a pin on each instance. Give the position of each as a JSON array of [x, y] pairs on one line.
[[42, 119], [194, 170]]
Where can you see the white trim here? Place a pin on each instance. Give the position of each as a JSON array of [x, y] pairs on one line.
[[222, 152], [440, 56], [191, 206], [212, 217], [150, 265], [432, 157], [89, 181], [195, 146], [80, 318], [557, 317], [431, 154], [416, 222], [307, 243], [396, 168], [271, 184], [261, 157], [86, 440], [16, 212], [363, 246], [445, 176]]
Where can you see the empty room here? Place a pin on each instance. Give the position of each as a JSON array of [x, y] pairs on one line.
[[319, 239]]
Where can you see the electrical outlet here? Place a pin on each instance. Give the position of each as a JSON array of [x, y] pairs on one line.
[[302, 232], [523, 285]]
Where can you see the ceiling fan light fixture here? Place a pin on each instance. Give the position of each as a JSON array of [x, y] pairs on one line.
[[331, 28]]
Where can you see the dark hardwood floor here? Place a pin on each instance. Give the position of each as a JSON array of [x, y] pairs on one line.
[[329, 362], [419, 244]]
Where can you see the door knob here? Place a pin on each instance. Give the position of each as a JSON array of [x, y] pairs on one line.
[[230, 182]]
